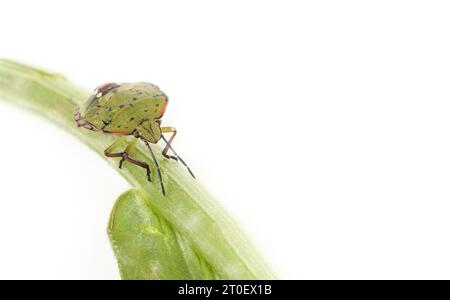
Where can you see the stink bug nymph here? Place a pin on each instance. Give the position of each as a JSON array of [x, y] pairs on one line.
[[133, 109]]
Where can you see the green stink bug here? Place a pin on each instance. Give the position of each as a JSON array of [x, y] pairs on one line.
[[133, 109]]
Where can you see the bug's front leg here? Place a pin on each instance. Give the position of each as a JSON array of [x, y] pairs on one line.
[[125, 156], [168, 146], [172, 130]]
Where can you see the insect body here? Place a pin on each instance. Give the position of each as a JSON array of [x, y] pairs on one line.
[[132, 109]]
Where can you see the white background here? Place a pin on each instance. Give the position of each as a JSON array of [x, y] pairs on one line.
[[322, 126]]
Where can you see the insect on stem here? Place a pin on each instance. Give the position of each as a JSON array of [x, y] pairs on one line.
[[129, 109]]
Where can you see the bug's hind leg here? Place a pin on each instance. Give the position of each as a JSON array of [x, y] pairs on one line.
[[169, 146], [125, 156]]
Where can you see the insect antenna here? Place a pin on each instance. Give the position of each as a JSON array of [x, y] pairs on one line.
[[178, 157], [157, 166]]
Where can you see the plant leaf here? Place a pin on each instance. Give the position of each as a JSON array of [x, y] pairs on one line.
[[140, 237]]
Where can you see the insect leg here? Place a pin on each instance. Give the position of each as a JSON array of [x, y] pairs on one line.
[[157, 166], [124, 155], [127, 151], [173, 130], [169, 146], [108, 151], [138, 163]]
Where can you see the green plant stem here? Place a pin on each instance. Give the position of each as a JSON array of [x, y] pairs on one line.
[[184, 235]]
